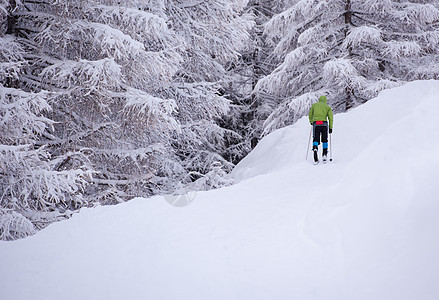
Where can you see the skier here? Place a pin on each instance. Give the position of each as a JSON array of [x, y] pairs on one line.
[[319, 115]]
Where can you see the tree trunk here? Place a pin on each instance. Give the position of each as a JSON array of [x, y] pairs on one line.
[[348, 13], [11, 19], [349, 103], [11, 22], [258, 37]]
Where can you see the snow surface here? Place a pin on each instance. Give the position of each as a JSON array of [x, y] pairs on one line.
[[365, 226]]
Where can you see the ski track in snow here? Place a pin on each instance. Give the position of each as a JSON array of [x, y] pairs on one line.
[[365, 226]]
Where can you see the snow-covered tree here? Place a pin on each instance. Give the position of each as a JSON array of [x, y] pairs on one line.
[[99, 59], [348, 50], [34, 189]]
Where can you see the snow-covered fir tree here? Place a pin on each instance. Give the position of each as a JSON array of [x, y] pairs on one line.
[[103, 62], [34, 191], [348, 50]]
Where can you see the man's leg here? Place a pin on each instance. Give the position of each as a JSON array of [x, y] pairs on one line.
[[316, 142], [325, 141]]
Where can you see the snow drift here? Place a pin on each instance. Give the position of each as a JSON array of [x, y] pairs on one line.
[[365, 226]]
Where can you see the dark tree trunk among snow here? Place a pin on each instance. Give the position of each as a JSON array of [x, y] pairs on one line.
[[11, 18], [349, 102]]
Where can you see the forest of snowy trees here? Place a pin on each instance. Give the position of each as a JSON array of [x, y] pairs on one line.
[[103, 101]]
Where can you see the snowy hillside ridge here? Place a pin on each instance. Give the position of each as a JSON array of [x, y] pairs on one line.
[[363, 227]]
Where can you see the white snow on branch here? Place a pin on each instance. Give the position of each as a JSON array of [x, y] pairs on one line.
[[14, 225], [158, 110], [399, 49], [338, 68], [32, 179], [310, 35], [199, 101], [301, 55], [297, 68], [20, 115], [3, 7], [377, 6], [423, 13], [11, 57], [375, 87], [137, 22], [362, 35], [136, 154], [426, 71], [94, 75], [341, 73], [160, 65], [113, 42], [281, 25], [432, 38], [106, 40]]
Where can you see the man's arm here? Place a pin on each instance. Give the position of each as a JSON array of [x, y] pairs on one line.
[[330, 117]]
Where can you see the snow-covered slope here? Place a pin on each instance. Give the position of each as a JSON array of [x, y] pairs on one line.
[[365, 226]]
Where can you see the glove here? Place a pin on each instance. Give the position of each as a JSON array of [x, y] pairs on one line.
[[330, 130]]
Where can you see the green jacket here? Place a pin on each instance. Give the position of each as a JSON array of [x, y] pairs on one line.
[[321, 111]]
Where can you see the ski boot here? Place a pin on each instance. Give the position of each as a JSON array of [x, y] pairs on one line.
[[316, 159], [325, 155]]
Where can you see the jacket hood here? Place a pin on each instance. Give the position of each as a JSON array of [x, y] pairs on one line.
[[323, 99]]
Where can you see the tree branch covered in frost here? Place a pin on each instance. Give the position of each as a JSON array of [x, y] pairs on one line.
[[341, 74], [11, 60], [152, 108], [14, 225], [34, 181], [216, 177], [363, 35], [21, 120], [402, 49], [204, 102], [90, 76]]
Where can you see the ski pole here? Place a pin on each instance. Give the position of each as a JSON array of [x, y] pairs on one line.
[[330, 145], [309, 141]]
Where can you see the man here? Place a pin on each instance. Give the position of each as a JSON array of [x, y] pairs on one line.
[[319, 115]]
